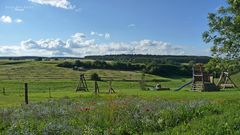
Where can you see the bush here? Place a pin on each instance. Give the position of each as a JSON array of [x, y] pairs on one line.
[[38, 59], [167, 70], [78, 63], [95, 77], [66, 64]]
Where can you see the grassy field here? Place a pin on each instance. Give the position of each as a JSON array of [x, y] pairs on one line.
[[42, 76], [129, 111]]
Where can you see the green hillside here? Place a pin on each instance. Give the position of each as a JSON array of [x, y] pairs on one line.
[[44, 75], [33, 70], [55, 106]]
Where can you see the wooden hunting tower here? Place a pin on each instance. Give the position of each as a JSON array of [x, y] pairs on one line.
[[82, 85], [202, 81]]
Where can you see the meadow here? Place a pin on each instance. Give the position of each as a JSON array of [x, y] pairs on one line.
[[129, 111]]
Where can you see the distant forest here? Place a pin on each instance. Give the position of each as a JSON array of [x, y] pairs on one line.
[[163, 65], [151, 68], [153, 64], [160, 59]]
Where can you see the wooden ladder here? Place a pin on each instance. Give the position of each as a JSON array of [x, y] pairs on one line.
[[198, 85]]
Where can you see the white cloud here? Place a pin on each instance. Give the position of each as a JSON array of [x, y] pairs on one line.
[[65, 4], [54, 47], [79, 45], [18, 20], [156, 47], [100, 35], [93, 33], [78, 36], [6, 19], [17, 9], [79, 40], [132, 25], [106, 35]]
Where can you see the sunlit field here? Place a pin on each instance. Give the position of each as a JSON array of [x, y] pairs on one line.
[[55, 107]]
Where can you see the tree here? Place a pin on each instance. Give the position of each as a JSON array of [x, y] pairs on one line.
[[95, 77], [99, 64], [78, 63], [224, 33], [39, 59], [224, 30], [66, 64], [191, 63], [218, 65]]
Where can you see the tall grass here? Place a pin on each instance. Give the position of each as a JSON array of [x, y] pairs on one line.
[[126, 115]]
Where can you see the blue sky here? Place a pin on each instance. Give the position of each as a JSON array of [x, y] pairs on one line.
[[78, 27]]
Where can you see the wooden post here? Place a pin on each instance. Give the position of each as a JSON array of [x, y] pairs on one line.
[[233, 83], [212, 79], [110, 87], [96, 88], [4, 92], [203, 86], [110, 90], [220, 79], [26, 92]]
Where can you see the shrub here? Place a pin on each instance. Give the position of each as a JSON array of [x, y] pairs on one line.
[[39, 59], [95, 77], [66, 64]]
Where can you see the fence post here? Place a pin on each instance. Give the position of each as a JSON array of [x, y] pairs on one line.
[[26, 93], [96, 88]]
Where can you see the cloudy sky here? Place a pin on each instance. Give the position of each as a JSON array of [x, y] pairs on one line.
[[97, 27]]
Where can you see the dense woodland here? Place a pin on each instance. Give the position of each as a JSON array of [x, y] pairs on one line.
[[151, 68], [163, 65]]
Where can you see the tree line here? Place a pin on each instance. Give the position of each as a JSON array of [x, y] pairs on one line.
[[150, 68], [161, 59]]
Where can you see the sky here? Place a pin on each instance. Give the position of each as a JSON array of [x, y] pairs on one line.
[[77, 28]]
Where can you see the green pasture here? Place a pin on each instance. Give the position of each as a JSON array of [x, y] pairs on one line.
[[56, 108], [45, 76]]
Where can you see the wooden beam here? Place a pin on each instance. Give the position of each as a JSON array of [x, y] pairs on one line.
[[26, 92]]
